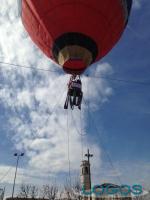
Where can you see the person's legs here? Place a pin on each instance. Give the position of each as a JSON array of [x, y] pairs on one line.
[[74, 97], [80, 100], [66, 102], [71, 103]]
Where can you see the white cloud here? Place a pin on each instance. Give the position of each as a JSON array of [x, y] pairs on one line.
[[7, 175], [124, 172], [39, 122], [24, 175], [137, 4], [24, 99]]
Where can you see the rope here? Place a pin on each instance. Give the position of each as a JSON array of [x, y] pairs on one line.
[[81, 135], [58, 100], [68, 150], [27, 67], [74, 122], [80, 132], [102, 144], [4, 175], [88, 102], [92, 76], [119, 80]]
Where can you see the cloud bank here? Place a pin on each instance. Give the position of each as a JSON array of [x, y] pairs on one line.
[[38, 123]]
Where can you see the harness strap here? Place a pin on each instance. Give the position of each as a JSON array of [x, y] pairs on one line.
[[66, 102], [71, 103]]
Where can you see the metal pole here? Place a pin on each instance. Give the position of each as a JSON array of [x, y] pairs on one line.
[[3, 193], [15, 176]]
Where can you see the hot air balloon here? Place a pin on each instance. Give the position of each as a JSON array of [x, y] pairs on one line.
[[75, 33]]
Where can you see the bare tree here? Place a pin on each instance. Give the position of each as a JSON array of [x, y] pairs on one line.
[[24, 191], [68, 192], [28, 191], [60, 195], [33, 191], [42, 192], [49, 192], [77, 190], [73, 192]]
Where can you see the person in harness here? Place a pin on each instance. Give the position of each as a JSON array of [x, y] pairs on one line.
[[74, 94]]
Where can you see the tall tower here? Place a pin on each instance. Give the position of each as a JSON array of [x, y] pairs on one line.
[[86, 172], [85, 175]]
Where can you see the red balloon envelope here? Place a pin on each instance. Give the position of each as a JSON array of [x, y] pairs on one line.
[[75, 33]]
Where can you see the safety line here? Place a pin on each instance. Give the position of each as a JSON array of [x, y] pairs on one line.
[[78, 131], [3, 177], [87, 75], [102, 144], [58, 100], [119, 80], [27, 67], [68, 149], [81, 135]]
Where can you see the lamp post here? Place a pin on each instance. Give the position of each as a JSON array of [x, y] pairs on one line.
[[18, 156]]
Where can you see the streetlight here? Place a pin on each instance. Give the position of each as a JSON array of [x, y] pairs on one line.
[[18, 156]]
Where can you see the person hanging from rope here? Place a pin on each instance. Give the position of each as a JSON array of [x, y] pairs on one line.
[[74, 94]]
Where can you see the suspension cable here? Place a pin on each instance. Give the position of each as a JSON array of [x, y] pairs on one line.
[[4, 175], [87, 75], [27, 67], [81, 135], [79, 131], [74, 122], [58, 100], [68, 149], [102, 143]]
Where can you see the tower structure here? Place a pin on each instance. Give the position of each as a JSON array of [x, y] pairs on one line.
[[86, 173]]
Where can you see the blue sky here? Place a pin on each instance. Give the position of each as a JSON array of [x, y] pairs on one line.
[[125, 117], [127, 114], [31, 122]]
